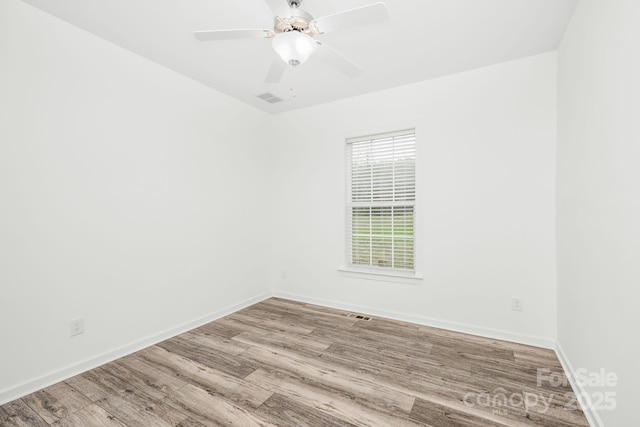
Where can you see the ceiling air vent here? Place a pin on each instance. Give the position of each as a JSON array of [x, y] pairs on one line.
[[270, 98]]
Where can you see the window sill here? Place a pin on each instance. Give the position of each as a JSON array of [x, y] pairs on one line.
[[382, 276]]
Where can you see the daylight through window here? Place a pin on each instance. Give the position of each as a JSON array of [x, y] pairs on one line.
[[381, 200]]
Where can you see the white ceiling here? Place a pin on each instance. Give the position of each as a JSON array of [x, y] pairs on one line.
[[424, 39]]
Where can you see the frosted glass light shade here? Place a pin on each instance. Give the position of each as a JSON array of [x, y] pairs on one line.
[[294, 47]]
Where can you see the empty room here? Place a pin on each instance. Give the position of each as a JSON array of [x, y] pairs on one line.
[[319, 212]]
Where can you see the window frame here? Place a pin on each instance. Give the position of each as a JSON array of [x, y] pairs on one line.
[[385, 274]]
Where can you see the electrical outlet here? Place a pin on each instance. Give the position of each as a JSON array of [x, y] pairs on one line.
[[516, 304], [76, 327], [284, 274]]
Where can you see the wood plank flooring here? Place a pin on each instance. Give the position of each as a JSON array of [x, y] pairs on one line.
[[285, 363]]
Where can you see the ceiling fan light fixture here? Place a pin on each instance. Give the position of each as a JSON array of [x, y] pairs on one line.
[[294, 47]]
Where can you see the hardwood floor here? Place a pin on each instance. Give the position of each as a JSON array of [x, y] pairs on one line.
[[286, 363]]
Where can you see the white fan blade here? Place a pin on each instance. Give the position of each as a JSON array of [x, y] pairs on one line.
[[334, 58], [365, 15], [249, 33], [276, 71], [278, 7]]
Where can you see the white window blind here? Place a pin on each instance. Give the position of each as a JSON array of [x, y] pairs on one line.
[[381, 200]]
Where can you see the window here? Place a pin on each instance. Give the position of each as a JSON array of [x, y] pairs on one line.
[[381, 201]]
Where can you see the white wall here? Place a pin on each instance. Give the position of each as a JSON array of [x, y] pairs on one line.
[[599, 198], [129, 195], [486, 141]]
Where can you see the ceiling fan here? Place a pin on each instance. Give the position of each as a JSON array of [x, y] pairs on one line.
[[294, 33]]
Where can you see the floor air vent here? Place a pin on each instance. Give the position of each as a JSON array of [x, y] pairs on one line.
[[359, 316], [270, 98]]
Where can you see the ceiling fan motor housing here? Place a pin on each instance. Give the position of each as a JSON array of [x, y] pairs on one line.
[[303, 24]]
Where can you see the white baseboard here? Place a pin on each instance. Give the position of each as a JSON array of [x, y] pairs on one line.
[[591, 415], [426, 321], [31, 386]]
